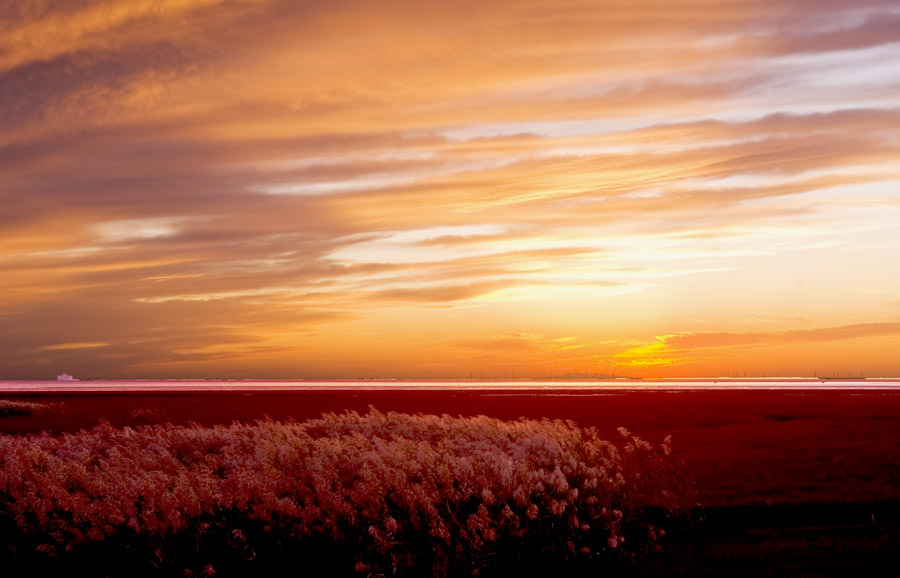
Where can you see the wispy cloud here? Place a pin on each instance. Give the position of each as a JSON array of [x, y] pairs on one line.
[[694, 348], [73, 345], [284, 177], [517, 343]]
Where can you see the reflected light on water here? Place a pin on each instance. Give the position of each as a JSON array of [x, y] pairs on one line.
[[520, 387]]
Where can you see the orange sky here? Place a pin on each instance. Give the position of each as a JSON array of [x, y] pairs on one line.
[[271, 188]]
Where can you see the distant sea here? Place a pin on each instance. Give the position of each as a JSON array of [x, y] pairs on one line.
[[522, 387]]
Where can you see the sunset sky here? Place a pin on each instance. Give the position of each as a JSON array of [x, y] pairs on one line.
[[409, 188]]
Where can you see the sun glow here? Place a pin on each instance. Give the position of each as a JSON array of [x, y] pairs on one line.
[[278, 189]]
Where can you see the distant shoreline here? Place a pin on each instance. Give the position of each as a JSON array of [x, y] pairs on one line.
[[209, 386]]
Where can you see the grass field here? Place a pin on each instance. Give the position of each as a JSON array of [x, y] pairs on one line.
[[787, 483]]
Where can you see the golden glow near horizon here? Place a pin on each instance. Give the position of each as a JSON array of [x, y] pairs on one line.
[[429, 189]]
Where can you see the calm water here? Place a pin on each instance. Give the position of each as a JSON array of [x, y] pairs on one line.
[[524, 387]]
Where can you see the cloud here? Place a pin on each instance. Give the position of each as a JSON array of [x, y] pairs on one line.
[[74, 345], [257, 168], [693, 348], [438, 294], [122, 338], [857, 29], [691, 341], [841, 333], [514, 343]]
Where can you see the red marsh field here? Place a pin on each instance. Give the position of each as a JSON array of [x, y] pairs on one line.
[[787, 479]]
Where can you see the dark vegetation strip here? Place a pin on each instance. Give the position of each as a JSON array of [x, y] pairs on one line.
[[806, 515], [20, 408]]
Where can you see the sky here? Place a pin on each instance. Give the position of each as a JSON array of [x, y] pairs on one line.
[[425, 189]]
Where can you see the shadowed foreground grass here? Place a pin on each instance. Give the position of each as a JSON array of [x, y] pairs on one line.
[[784, 547], [344, 495]]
